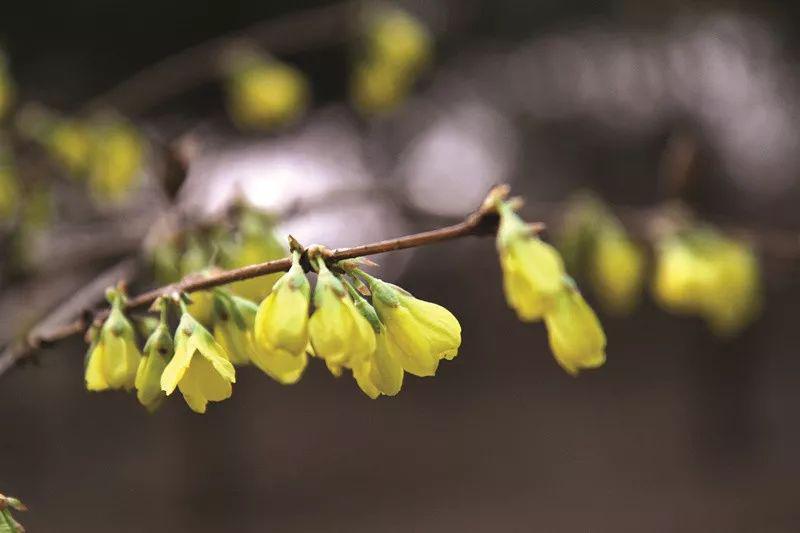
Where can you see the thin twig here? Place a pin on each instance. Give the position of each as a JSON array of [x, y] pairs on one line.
[[482, 222]]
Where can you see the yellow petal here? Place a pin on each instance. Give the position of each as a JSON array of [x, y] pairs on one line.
[[280, 365], [386, 371], [95, 375], [439, 324], [575, 334], [178, 366]]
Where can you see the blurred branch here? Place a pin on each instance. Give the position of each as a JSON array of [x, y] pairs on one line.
[[194, 66]]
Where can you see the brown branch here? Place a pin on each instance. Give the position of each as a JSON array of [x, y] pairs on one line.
[[482, 222]]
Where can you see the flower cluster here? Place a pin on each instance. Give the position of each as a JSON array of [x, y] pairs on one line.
[[698, 271], [264, 93], [7, 522], [701, 272], [537, 287], [105, 151], [396, 48], [377, 341]]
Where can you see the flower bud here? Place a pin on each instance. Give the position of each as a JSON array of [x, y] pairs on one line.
[[575, 334], [157, 351], [532, 269], [617, 271], [114, 357], [199, 368], [116, 160], [263, 94], [281, 327], [420, 333], [234, 319]]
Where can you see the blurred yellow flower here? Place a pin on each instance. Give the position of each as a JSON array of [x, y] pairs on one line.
[[264, 94], [575, 334], [157, 351], [116, 160], [258, 244], [199, 368], [70, 143], [617, 271], [113, 357], [378, 87], [532, 269], [281, 326], [419, 333], [399, 39]]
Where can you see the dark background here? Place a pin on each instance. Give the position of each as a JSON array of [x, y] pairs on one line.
[[678, 432]]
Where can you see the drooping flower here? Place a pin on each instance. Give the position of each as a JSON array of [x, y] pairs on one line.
[[265, 93], [199, 368], [575, 334], [617, 271], [532, 269], [157, 352], [113, 356], [338, 332], [381, 372], [281, 326], [234, 320], [420, 333]]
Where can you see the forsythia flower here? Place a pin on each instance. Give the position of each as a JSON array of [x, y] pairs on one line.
[[617, 270], [157, 351], [709, 275], [381, 372], [234, 319], [264, 94], [113, 357], [116, 160], [399, 39], [378, 87], [201, 307], [576, 336], [338, 332], [281, 326], [737, 298], [199, 368], [532, 269], [419, 333]]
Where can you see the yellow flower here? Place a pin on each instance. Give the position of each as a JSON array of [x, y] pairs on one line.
[[737, 297], [199, 368], [281, 327], [113, 357], [234, 319], [157, 351], [116, 160], [419, 333], [201, 307], [70, 143], [378, 87], [338, 332], [681, 276], [265, 94], [576, 336], [532, 269], [399, 39], [617, 271], [381, 372]]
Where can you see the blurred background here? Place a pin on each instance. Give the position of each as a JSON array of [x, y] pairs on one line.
[[131, 133]]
